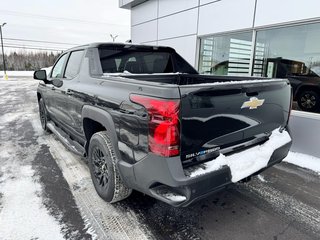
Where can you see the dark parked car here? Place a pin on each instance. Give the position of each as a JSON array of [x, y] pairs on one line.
[[146, 120], [304, 81]]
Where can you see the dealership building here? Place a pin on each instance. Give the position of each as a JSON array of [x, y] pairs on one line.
[[265, 38]]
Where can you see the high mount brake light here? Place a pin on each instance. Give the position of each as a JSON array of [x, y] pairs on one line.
[[164, 126]]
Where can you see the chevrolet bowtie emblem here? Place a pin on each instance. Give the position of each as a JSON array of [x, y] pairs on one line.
[[253, 103]]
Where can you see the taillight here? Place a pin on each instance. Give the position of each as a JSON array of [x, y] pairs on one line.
[[164, 133]]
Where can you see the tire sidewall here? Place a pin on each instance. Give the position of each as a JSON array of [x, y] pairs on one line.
[[98, 141], [44, 111]]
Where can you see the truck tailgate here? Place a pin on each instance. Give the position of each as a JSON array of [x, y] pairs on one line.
[[225, 117]]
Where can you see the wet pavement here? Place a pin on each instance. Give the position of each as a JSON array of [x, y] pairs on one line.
[[283, 203]]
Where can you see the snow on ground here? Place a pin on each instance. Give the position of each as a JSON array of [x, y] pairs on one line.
[[17, 74], [23, 208], [12, 74], [304, 160], [245, 163], [23, 214]]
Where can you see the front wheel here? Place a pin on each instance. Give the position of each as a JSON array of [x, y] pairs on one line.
[[43, 115], [308, 100], [104, 172]]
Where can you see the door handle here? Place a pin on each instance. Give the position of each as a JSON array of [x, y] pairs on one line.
[[53, 88], [69, 92]]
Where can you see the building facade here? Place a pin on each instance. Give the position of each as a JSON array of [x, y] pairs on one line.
[[268, 38], [208, 32]]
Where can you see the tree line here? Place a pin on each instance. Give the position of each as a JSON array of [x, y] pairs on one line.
[[28, 61]]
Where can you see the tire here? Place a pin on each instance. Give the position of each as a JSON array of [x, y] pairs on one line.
[[309, 100], [43, 114], [104, 171]]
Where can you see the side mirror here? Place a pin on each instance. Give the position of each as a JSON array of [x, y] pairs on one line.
[[40, 75]]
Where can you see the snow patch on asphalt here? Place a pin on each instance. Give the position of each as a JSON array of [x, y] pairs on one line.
[[89, 228], [304, 160], [174, 197], [245, 163], [287, 205], [261, 178], [23, 215], [10, 117], [106, 221]]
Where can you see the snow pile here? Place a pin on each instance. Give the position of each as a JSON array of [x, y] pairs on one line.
[[245, 163], [304, 160]]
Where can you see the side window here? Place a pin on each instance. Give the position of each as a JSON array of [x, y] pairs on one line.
[[57, 70], [73, 65]]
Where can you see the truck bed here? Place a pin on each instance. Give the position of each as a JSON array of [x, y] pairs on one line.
[[213, 118]]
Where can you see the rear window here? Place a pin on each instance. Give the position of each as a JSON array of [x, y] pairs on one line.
[[138, 62]]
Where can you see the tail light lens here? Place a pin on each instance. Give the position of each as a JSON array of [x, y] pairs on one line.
[[164, 127]]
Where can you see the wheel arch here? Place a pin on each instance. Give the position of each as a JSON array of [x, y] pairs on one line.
[[95, 120], [306, 87]]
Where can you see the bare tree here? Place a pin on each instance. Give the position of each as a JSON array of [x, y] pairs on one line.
[[25, 60]]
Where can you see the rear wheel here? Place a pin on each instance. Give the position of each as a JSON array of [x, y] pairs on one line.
[[43, 115], [308, 100], [104, 172]]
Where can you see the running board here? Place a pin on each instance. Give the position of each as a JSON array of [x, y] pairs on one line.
[[73, 146]]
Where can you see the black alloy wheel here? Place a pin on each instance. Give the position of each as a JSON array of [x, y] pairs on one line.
[[308, 100], [100, 168]]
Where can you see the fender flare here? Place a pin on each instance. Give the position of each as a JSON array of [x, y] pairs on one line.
[[105, 119]]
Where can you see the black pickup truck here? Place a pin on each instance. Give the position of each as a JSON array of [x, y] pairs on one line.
[[146, 120]]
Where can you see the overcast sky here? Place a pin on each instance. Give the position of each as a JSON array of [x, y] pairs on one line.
[[66, 21]]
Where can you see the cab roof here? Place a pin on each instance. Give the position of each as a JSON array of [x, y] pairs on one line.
[[120, 45]]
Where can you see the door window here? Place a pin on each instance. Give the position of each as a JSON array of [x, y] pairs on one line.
[[57, 71], [73, 65]]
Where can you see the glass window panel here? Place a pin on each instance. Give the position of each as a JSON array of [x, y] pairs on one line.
[[73, 65], [226, 55], [294, 53], [57, 70]]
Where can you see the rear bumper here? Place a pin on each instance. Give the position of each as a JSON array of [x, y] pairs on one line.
[[165, 178]]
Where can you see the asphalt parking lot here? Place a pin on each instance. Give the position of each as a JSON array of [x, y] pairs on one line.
[[282, 203]]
